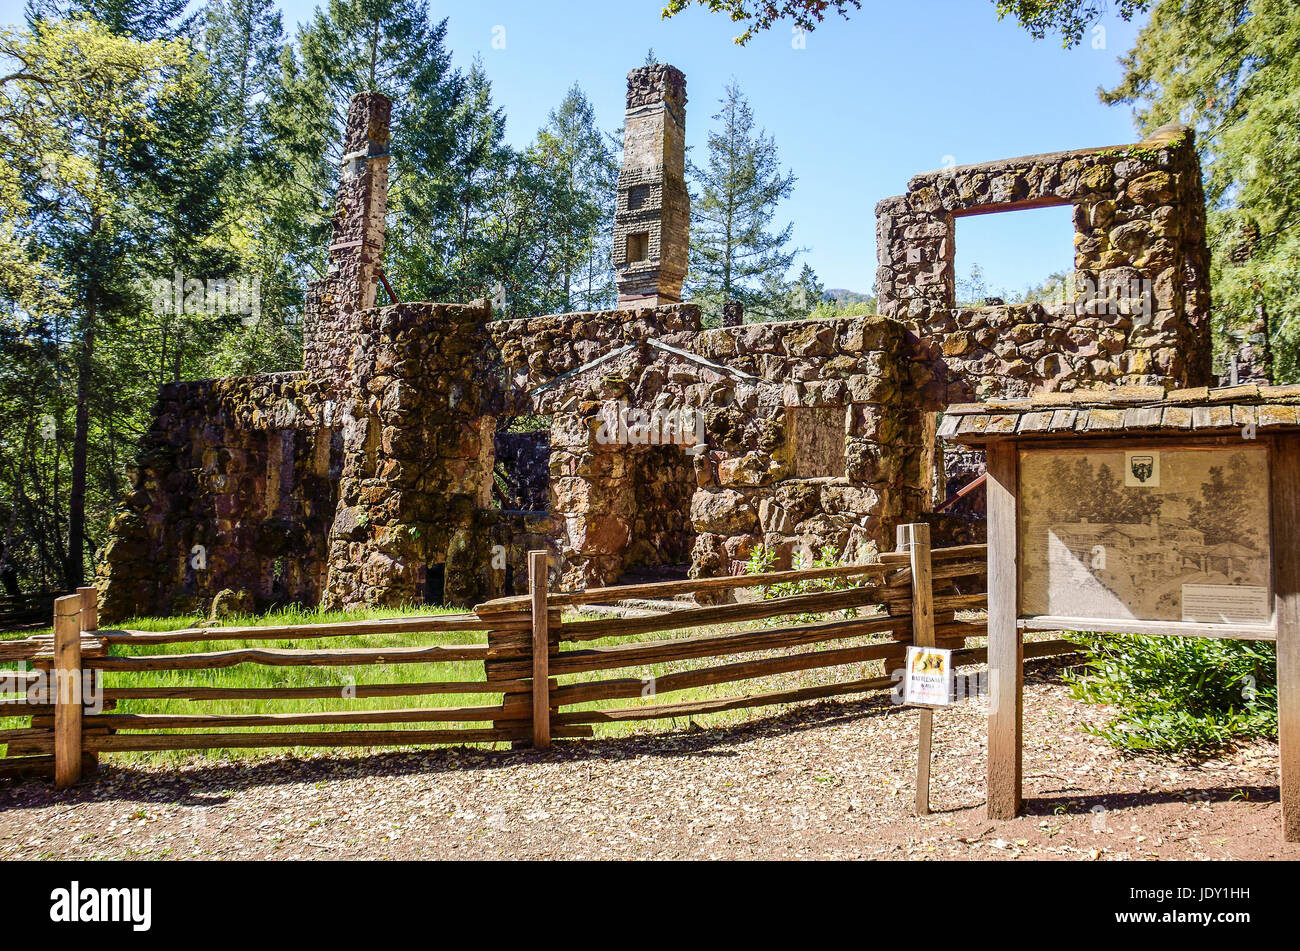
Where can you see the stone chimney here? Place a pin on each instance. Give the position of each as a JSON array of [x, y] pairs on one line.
[[357, 240], [652, 223]]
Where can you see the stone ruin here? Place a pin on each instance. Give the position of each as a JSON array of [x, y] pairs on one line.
[[425, 447]]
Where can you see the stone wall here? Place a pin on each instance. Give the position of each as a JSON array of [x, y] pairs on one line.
[[869, 372], [863, 386], [417, 420], [234, 487], [1139, 219], [367, 479], [536, 350]]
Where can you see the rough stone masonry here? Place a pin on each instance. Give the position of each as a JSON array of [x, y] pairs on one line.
[[375, 475]]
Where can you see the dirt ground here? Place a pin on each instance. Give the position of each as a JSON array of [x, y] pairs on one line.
[[828, 781]]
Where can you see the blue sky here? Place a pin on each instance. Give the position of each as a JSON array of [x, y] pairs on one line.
[[898, 89]]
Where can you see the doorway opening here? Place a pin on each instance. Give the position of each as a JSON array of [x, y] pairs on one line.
[[660, 484]]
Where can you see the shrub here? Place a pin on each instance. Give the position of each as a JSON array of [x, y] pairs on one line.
[[763, 559], [1179, 695]]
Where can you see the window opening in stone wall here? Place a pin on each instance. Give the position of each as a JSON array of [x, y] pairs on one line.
[[435, 579], [637, 196], [521, 478], [816, 438], [638, 247], [279, 579], [1015, 257]]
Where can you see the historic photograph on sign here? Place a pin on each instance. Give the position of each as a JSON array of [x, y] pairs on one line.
[[1189, 542]]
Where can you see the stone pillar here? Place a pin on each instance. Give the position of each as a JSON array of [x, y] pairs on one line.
[[417, 424], [733, 313], [357, 243], [652, 222]]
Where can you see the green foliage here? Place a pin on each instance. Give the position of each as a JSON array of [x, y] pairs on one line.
[[1177, 695], [762, 560], [86, 135], [1068, 18], [581, 171], [838, 301], [971, 290], [1231, 70], [525, 423], [146, 143], [1056, 288], [735, 254], [761, 14], [795, 300]]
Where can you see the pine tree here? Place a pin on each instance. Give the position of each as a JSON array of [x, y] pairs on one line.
[[576, 156], [1231, 68], [243, 41], [450, 259], [804, 294], [734, 254]]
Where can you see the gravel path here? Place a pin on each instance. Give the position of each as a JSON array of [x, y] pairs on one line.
[[828, 781]]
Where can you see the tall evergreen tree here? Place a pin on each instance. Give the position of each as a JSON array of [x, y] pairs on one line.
[[450, 259], [243, 41], [1231, 69], [579, 161], [734, 253], [389, 46]]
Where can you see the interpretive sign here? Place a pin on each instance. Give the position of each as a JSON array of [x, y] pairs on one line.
[[1178, 534]]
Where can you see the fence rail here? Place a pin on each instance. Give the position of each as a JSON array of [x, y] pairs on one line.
[[27, 610], [879, 602], [555, 677]]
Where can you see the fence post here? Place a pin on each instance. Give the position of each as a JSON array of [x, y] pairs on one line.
[[914, 538], [67, 690], [537, 584], [89, 625]]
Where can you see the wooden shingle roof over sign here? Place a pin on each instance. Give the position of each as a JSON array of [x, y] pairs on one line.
[[1148, 410]]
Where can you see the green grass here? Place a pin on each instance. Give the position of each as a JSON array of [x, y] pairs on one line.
[[256, 675]]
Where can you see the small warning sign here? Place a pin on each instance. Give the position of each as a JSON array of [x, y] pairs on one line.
[[928, 682]]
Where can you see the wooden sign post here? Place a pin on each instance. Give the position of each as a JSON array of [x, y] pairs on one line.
[[1139, 512], [1006, 648], [914, 539], [66, 691], [1286, 592], [537, 585]]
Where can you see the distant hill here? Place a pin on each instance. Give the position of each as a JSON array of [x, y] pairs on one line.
[[842, 296], [838, 302]]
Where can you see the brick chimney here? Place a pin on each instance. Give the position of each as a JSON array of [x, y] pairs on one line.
[[652, 222]]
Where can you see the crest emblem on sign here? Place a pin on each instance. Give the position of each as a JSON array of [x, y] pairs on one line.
[[1142, 467]]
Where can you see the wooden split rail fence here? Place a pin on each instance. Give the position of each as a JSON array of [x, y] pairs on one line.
[[545, 666], [27, 610], [879, 596]]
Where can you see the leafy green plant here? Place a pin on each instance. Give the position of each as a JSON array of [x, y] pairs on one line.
[[1178, 695], [763, 559]]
